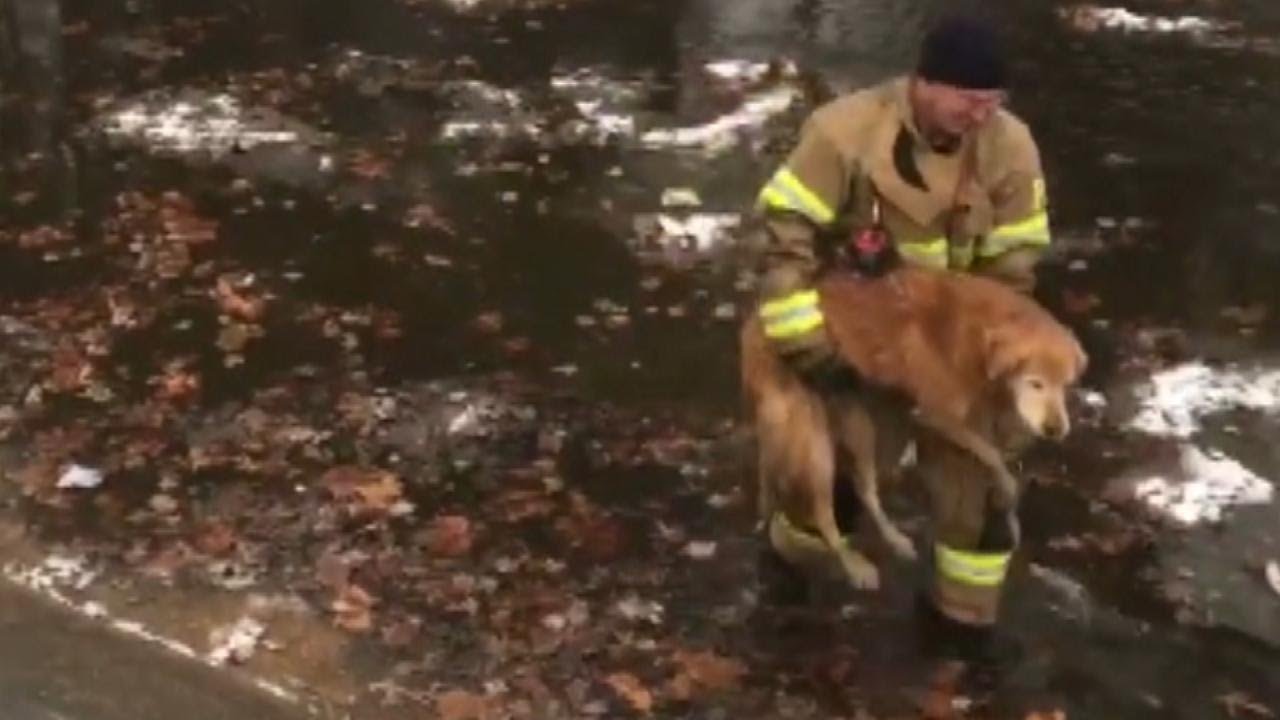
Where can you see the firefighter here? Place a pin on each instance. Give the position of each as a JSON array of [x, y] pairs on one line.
[[955, 181]]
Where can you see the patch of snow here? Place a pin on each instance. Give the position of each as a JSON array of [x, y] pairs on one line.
[[1201, 487], [56, 572], [466, 421], [591, 84], [237, 642], [463, 5], [479, 92], [1091, 18], [698, 232], [1093, 399], [216, 124], [62, 571], [1176, 399], [738, 70], [78, 477], [1273, 576], [700, 549], [606, 104], [724, 132], [461, 129], [633, 608], [680, 197], [140, 631]]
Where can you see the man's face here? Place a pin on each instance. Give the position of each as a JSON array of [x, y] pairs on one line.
[[951, 111]]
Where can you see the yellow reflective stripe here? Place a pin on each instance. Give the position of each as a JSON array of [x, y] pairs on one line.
[[776, 200], [798, 322], [794, 301], [1036, 226], [785, 192], [1032, 231], [931, 252], [970, 568]]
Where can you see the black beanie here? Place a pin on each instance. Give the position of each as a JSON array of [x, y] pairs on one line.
[[963, 52]]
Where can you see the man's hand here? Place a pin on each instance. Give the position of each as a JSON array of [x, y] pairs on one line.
[[791, 314]]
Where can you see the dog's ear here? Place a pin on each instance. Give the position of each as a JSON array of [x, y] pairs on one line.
[[1000, 351]]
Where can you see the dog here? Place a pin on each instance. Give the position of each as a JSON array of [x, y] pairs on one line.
[[932, 346]]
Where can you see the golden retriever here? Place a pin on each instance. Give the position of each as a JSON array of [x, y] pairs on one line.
[[947, 343]]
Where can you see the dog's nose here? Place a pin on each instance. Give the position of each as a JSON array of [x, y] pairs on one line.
[[1056, 426]]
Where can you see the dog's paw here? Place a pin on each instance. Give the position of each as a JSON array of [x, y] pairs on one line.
[[901, 545], [862, 574]]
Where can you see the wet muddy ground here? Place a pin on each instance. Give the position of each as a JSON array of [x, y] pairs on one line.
[[385, 351]]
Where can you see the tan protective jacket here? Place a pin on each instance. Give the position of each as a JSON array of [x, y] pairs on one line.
[[866, 145]]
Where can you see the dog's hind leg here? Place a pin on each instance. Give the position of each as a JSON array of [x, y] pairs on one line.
[[861, 573], [776, 414], [819, 464], [858, 434]]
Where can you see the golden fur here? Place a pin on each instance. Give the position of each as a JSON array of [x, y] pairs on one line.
[[948, 343]]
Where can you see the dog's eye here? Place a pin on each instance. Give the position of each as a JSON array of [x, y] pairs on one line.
[[1036, 384]]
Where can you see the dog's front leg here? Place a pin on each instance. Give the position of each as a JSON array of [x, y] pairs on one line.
[[960, 434]]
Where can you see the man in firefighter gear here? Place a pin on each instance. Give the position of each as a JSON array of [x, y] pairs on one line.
[[955, 182]]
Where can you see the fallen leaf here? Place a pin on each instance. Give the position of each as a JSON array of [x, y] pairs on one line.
[[168, 561], [381, 494], [387, 325], [516, 345], [1079, 303], [518, 505], [462, 705], [182, 224], [449, 536], [38, 478], [489, 322], [233, 338], [940, 701], [424, 215], [333, 570], [353, 609], [71, 371], [215, 539], [177, 384], [163, 504], [1053, 715], [591, 530], [365, 164], [704, 671], [366, 491], [236, 304], [629, 688], [401, 632]]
